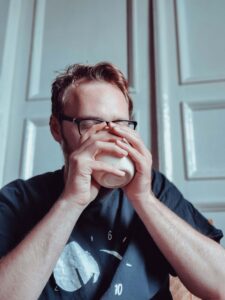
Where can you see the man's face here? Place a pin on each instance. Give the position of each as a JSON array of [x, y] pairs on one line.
[[91, 99]]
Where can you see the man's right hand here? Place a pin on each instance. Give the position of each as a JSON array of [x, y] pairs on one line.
[[79, 184]]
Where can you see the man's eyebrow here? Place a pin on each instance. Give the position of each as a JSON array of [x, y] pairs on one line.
[[99, 118], [89, 117]]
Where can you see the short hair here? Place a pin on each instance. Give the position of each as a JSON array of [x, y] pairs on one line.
[[103, 71]]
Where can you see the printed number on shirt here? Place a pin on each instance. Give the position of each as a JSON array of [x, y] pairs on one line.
[[109, 235], [118, 289]]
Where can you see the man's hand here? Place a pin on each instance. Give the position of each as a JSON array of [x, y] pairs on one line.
[[195, 257], [140, 186], [81, 163]]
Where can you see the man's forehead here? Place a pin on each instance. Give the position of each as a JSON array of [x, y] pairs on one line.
[[103, 99], [84, 86], [76, 87], [70, 92]]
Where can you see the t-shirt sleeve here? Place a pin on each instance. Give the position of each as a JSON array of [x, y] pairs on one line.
[[9, 221], [23, 203], [18, 214], [168, 194]]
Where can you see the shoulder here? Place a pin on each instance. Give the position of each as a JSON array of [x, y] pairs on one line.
[[37, 185], [170, 196], [161, 186]]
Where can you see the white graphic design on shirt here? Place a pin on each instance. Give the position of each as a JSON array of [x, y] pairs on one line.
[[124, 240], [116, 254], [128, 265], [112, 252], [75, 268]]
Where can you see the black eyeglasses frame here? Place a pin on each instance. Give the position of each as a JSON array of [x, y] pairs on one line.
[[63, 117]]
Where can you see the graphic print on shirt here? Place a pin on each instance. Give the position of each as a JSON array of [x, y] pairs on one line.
[[75, 267]]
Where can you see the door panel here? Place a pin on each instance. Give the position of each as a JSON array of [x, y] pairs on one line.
[[190, 58], [200, 28], [9, 19], [4, 15], [51, 35]]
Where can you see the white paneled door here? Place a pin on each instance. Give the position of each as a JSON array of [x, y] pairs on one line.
[[40, 37], [190, 60], [48, 35]]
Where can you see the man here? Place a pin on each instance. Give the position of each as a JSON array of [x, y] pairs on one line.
[[62, 236]]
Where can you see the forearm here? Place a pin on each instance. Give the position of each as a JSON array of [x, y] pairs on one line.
[[196, 259], [26, 269]]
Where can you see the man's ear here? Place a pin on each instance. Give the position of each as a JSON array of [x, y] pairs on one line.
[[55, 128]]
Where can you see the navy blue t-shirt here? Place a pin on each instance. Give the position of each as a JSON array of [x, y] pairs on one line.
[[109, 254]]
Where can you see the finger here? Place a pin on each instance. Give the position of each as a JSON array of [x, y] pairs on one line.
[[104, 167], [131, 137], [141, 162], [100, 136], [94, 129], [107, 147], [96, 147]]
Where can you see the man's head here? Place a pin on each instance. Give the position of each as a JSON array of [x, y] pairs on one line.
[[79, 72], [91, 92]]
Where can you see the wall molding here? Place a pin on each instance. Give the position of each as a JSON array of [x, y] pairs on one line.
[[9, 55], [188, 109], [36, 52], [29, 140], [211, 207], [3, 30], [132, 46], [184, 64], [37, 48], [161, 37]]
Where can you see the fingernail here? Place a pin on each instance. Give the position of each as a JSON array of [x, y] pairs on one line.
[[125, 140], [125, 153], [122, 173]]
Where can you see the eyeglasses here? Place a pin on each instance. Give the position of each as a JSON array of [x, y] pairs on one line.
[[84, 124]]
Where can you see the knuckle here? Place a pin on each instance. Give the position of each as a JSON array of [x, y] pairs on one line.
[[97, 143], [85, 138], [77, 162], [73, 159]]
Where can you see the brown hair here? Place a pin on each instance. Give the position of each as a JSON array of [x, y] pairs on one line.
[[103, 71]]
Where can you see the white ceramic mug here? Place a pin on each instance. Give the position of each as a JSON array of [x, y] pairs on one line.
[[109, 180]]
